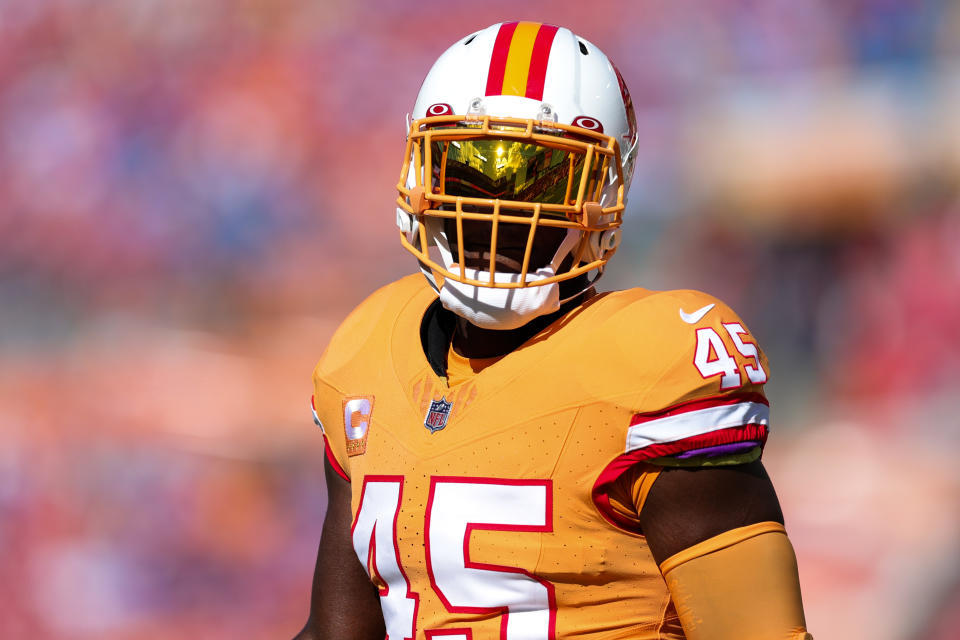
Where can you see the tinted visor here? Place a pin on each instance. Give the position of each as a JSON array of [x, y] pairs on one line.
[[509, 169]]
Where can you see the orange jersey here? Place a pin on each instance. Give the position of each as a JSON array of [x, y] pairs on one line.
[[483, 510]]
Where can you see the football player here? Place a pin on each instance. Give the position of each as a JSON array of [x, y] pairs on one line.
[[511, 454]]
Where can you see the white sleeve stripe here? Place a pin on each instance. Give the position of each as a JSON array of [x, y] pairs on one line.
[[694, 423]]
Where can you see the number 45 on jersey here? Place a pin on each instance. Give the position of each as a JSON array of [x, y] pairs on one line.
[[456, 507], [713, 359]]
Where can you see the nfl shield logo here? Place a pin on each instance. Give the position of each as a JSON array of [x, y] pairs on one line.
[[437, 414]]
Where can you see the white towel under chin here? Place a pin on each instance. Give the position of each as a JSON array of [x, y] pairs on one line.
[[500, 308]]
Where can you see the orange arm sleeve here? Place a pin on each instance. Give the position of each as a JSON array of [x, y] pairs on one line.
[[739, 585]]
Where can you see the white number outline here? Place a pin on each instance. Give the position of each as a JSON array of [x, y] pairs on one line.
[[488, 526], [370, 562], [748, 349], [725, 364], [389, 510]]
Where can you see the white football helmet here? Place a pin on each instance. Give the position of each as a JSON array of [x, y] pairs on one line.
[[518, 160]]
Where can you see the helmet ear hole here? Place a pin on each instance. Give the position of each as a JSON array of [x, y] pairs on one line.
[[610, 240], [603, 243]]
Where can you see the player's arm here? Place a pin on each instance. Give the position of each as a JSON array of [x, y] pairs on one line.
[[344, 604], [717, 534]]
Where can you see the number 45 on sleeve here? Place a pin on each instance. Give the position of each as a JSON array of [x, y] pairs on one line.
[[713, 359]]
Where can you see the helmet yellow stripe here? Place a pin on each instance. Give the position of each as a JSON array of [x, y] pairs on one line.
[[518, 59]]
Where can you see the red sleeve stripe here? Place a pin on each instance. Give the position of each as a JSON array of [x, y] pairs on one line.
[[601, 499], [333, 460], [538, 61], [690, 422], [498, 61]]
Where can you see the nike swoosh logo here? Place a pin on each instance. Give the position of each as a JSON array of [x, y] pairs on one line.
[[696, 316]]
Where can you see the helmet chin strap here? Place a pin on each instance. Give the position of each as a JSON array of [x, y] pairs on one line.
[[503, 309]]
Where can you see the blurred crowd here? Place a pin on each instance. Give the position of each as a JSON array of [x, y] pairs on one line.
[[193, 193]]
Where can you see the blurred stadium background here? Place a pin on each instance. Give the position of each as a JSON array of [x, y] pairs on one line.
[[193, 194]]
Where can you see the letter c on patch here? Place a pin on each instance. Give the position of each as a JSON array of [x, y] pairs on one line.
[[356, 417]]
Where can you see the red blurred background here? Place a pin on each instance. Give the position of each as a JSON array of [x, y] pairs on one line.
[[193, 194]]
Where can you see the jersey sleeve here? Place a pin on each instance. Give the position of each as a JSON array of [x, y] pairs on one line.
[[708, 401], [698, 398], [342, 418], [347, 371]]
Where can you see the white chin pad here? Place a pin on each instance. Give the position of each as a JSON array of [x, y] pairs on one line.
[[491, 308]]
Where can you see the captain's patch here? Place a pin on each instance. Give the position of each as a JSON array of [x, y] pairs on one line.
[[357, 412]]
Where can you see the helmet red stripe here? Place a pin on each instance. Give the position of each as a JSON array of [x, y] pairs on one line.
[[498, 61], [538, 61]]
